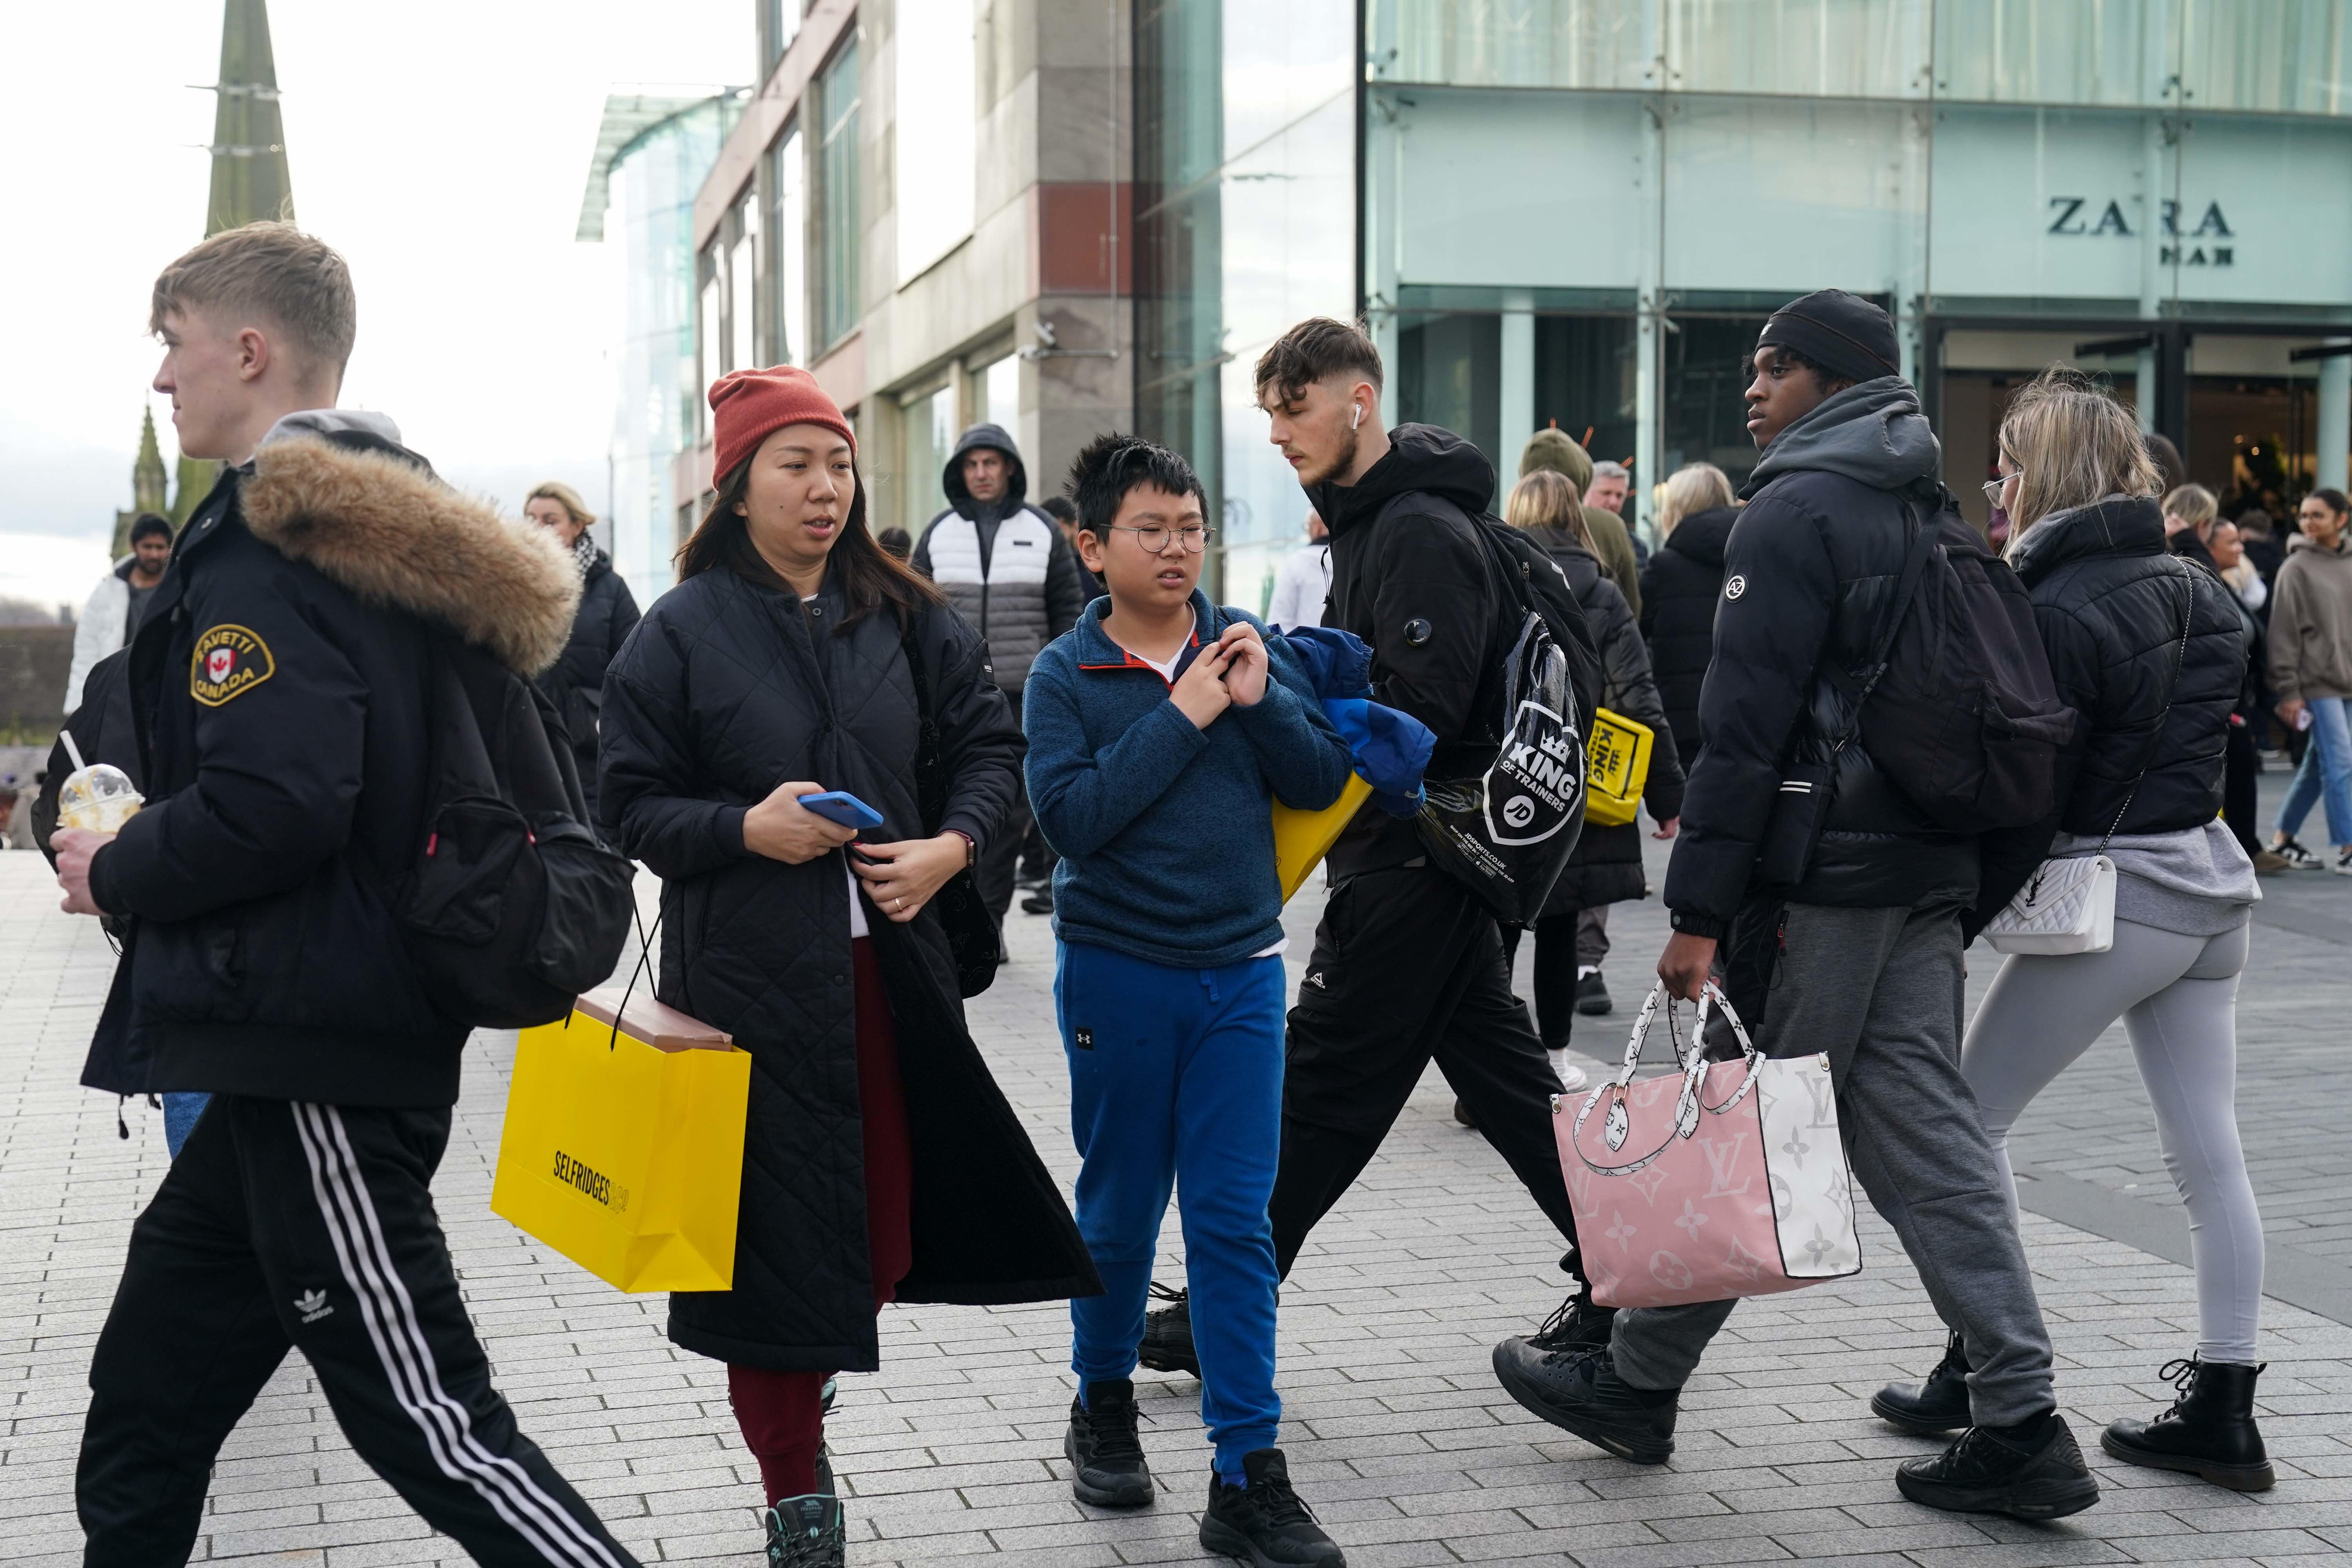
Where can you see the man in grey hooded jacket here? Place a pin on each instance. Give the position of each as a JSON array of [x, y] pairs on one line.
[[1006, 568], [1850, 946]]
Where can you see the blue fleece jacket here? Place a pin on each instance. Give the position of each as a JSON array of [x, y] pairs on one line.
[[1166, 831]]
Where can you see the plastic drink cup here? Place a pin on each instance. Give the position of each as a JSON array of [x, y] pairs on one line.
[[96, 796]]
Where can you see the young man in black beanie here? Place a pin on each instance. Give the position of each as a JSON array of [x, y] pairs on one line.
[[1858, 952]]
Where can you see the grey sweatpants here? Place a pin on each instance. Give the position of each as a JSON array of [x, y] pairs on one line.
[[2178, 997], [1880, 991]]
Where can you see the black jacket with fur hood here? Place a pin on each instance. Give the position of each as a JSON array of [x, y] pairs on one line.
[[277, 692]]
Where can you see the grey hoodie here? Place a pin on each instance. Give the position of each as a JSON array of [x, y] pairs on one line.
[[1872, 432], [2311, 620]]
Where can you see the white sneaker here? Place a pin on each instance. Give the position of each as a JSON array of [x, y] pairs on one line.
[[2342, 864], [1572, 1076]]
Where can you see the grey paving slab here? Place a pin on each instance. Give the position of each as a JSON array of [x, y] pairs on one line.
[[1396, 1430]]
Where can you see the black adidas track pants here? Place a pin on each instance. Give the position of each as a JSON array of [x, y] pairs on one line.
[[295, 1224]]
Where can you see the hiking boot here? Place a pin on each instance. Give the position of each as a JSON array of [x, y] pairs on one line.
[[1579, 1324], [2040, 1476], [2295, 855], [1593, 994], [1934, 1407], [1040, 902], [1107, 1464], [806, 1532], [1578, 1390], [1168, 1333], [1264, 1522], [2210, 1431]]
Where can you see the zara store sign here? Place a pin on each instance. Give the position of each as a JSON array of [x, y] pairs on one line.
[[2212, 242]]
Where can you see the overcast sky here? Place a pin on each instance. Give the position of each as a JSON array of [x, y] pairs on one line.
[[441, 146]]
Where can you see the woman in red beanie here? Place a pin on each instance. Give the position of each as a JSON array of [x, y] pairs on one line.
[[880, 1159]]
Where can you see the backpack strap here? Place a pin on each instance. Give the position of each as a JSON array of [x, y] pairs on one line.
[[1906, 589]]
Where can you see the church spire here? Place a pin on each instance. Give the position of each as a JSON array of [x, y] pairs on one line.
[[248, 148], [147, 486]]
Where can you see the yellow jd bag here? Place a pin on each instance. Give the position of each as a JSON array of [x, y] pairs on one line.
[[1301, 838], [624, 1143], [1617, 763]]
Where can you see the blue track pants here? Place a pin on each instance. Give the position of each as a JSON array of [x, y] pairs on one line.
[[1176, 1079]]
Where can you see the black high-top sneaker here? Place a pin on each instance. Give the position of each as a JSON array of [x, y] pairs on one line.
[[1580, 1323], [1107, 1463], [1934, 1407], [1264, 1522], [2209, 1432], [1578, 1390], [1168, 1333], [2038, 1473], [806, 1532]]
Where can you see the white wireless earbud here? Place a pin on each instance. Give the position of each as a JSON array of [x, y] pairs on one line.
[[1357, 417]]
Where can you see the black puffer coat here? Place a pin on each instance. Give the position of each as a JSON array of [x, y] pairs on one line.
[[1678, 596], [1605, 868], [608, 614], [2109, 600], [726, 689]]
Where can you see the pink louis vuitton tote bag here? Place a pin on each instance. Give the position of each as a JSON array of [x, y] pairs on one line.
[[1727, 1179]]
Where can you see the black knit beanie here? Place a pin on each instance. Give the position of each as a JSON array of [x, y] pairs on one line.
[[1843, 334]]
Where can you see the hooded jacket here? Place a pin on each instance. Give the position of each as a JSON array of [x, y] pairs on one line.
[[1563, 455], [1003, 564], [279, 702], [2311, 620], [1809, 571], [607, 615], [727, 689], [104, 620], [2109, 600], [1679, 588], [1605, 868]]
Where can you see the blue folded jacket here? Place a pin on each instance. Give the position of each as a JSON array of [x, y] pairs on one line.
[[1391, 748]]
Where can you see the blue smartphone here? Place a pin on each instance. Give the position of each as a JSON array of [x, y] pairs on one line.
[[840, 805]]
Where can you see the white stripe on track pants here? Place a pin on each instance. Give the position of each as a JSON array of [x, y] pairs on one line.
[[295, 1224]]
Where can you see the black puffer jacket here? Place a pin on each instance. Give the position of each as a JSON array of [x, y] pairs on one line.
[[1605, 868], [1809, 571], [2109, 601], [608, 614], [1679, 588], [726, 689]]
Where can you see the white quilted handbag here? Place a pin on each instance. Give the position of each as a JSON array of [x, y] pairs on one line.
[[2069, 905]]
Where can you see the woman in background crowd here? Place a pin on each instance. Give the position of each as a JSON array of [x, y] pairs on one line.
[[2149, 651], [608, 614], [1679, 589], [2311, 674]]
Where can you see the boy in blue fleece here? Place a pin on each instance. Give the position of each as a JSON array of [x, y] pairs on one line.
[[1161, 730]]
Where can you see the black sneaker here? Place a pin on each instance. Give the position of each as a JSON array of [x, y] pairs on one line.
[[1168, 1334], [2297, 856], [806, 1532], [1580, 1324], [1462, 1113], [1934, 1407], [1040, 902], [1107, 1463], [1592, 995], [1264, 1522], [2210, 1431], [2043, 1477], [1579, 1392]]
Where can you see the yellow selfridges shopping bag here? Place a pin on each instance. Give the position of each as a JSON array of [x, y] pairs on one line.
[[1301, 838], [624, 1147], [1617, 765]]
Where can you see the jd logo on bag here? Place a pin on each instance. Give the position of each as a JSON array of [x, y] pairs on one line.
[[624, 1145]]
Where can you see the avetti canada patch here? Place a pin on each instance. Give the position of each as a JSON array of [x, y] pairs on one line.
[[228, 662]]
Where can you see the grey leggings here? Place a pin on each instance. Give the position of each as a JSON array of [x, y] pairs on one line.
[[2178, 997]]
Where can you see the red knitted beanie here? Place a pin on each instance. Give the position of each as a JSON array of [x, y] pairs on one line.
[[747, 405]]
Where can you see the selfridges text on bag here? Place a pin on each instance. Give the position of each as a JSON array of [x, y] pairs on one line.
[[1506, 832], [1727, 1179], [1957, 706]]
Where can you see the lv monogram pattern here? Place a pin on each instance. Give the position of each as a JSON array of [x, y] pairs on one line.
[[1756, 1199]]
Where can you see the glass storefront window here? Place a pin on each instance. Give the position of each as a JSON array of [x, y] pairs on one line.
[[742, 288], [1449, 373], [707, 329], [1825, 49], [780, 24], [1509, 43], [840, 217], [788, 251], [2288, 56], [926, 435], [934, 186], [1706, 374], [2028, 51], [1585, 384], [1000, 395]]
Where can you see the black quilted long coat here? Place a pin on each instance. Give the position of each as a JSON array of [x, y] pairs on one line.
[[727, 689]]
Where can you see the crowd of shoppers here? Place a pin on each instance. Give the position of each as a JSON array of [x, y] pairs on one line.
[[275, 669]]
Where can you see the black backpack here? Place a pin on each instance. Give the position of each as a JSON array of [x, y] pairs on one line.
[[1507, 832], [1956, 705], [513, 906]]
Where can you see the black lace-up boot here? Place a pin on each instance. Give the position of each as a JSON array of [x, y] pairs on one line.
[[1168, 1333], [1264, 1522], [2033, 1471], [1578, 1390], [1934, 1407], [2210, 1431], [1107, 1464], [1580, 1324], [806, 1532]]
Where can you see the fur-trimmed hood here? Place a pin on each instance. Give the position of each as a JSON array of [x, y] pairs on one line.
[[374, 520]]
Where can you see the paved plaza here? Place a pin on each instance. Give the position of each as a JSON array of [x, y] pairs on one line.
[[1397, 1431]]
